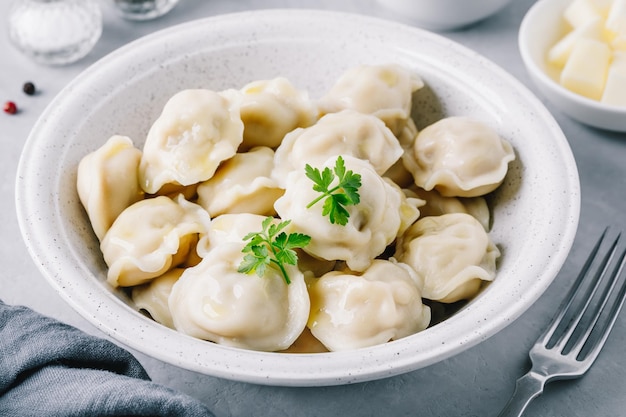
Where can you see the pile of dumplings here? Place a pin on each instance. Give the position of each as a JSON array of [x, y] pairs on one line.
[[171, 218]]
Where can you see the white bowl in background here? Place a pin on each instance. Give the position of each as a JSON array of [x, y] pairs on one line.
[[535, 211], [542, 26], [445, 14]]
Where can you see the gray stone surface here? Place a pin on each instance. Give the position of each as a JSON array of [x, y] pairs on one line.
[[474, 383]]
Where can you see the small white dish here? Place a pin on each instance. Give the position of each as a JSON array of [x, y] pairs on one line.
[[443, 15], [541, 28], [535, 212]]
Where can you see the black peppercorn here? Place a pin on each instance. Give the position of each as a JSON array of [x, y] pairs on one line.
[[29, 88]]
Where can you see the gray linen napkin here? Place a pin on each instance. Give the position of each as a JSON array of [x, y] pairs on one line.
[[48, 368]]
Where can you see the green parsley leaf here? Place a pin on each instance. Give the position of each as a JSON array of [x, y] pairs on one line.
[[345, 193], [271, 246]]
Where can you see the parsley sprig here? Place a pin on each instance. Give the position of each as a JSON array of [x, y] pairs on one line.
[[271, 246], [345, 193]]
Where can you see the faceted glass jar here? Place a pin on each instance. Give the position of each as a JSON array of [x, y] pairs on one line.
[[55, 32]]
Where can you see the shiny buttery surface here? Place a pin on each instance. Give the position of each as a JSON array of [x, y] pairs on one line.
[[474, 383]]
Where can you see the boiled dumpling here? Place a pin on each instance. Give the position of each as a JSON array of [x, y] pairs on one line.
[[384, 91], [153, 296], [196, 130], [150, 237], [242, 184], [459, 157], [212, 301], [351, 310], [373, 223], [107, 182], [452, 253], [345, 133], [436, 205], [271, 109]]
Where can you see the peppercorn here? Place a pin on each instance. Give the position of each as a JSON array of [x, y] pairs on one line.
[[10, 107], [29, 88]]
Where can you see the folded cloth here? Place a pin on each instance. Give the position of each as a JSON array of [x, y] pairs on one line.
[[48, 368]]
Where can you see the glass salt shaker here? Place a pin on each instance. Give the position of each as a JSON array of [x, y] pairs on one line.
[[144, 9], [55, 32]]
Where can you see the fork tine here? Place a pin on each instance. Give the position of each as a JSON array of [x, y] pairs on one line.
[[616, 307], [567, 301], [579, 311]]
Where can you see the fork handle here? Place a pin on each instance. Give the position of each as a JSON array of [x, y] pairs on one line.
[[527, 388]]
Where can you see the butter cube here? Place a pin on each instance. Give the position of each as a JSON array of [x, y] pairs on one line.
[[619, 43], [560, 52], [586, 69], [579, 12], [616, 20], [615, 88], [602, 6]]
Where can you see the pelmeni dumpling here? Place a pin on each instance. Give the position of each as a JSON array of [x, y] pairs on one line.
[[351, 310], [196, 130], [271, 109], [107, 182], [212, 301], [345, 133], [435, 205], [459, 157], [384, 91], [153, 296], [150, 237], [242, 184], [452, 253], [373, 223]]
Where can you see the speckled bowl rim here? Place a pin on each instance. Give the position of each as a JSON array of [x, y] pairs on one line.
[[538, 229]]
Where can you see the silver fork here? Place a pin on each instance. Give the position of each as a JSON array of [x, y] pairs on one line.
[[574, 338]]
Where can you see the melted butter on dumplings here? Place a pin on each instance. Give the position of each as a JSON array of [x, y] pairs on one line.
[[172, 217], [351, 310], [196, 130], [150, 237]]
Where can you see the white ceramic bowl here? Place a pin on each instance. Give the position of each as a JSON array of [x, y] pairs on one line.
[[542, 26], [445, 14], [535, 212]]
